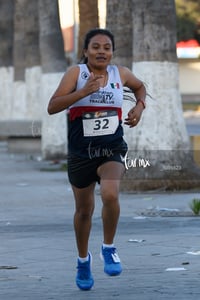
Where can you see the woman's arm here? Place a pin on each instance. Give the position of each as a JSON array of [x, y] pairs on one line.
[[66, 93], [139, 90]]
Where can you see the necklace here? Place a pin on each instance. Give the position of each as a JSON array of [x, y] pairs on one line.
[[103, 87], [103, 82]]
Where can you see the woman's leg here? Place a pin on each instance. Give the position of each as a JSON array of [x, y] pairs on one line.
[[84, 207], [110, 173]]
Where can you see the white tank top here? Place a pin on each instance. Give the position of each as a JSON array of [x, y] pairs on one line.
[[96, 118], [111, 95]]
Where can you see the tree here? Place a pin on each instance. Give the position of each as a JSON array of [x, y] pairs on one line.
[[187, 18], [88, 19], [160, 154], [19, 40], [30, 38], [6, 57], [6, 33], [53, 63], [32, 60], [119, 20], [26, 57]]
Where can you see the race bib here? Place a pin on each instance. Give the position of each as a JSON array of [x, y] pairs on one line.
[[100, 123]]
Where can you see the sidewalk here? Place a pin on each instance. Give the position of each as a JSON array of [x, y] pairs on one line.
[[157, 239]]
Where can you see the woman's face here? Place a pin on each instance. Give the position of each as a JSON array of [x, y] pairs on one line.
[[99, 52]]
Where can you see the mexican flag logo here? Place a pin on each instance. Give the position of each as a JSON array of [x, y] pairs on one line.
[[115, 85]]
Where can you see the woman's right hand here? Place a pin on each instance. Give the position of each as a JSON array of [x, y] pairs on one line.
[[93, 83]]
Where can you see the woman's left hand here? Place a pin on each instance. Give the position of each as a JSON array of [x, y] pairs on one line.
[[134, 116]]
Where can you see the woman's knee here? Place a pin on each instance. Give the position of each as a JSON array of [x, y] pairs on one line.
[[109, 196], [83, 215], [84, 201], [85, 208]]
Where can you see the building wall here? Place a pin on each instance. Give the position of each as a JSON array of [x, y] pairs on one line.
[[189, 77]]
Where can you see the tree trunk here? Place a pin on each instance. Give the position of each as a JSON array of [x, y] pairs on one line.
[[27, 70], [6, 33], [6, 57], [54, 135], [160, 154], [119, 21], [32, 61], [88, 19], [19, 39], [19, 99]]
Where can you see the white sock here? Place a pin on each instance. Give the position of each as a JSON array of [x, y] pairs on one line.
[[108, 245], [83, 259]]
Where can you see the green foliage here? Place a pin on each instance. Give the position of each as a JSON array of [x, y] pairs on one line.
[[188, 15], [195, 206]]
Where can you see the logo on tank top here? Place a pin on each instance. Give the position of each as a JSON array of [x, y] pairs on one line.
[[102, 97], [85, 75], [115, 85]]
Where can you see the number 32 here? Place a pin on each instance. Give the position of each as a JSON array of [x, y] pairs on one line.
[[101, 124]]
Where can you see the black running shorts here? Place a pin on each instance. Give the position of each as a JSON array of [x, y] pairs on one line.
[[83, 171]]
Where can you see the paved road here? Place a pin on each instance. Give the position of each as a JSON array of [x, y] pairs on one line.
[[156, 233]]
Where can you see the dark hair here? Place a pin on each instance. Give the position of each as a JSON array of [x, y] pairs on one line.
[[90, 34]]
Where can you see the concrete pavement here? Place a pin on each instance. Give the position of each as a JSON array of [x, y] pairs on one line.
[[157, 239]]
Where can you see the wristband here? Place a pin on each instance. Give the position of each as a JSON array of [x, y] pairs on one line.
[[143, 102]]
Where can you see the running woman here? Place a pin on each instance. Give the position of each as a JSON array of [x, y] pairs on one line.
[[92, 93]]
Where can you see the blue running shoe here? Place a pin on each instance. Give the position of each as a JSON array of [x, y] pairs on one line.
[[84, 279], [112, 265]]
